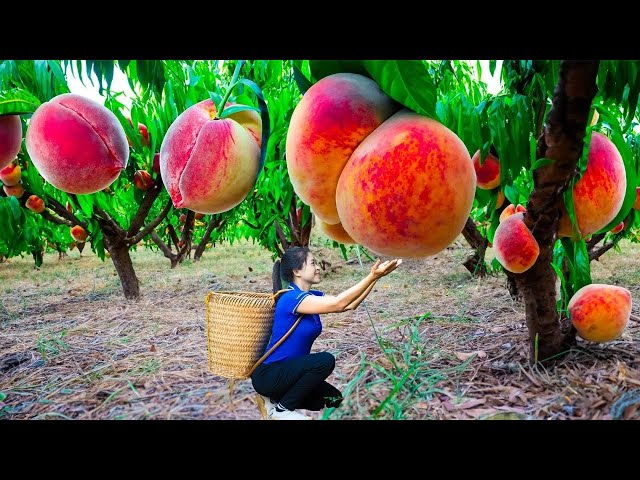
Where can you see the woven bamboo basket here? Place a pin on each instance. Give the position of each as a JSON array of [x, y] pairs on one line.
[[238, 330]]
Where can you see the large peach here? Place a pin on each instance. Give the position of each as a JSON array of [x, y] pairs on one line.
[[487, 174], [515, 246], [209, 164], [335, 115], [10, 138], [408, 188], [11, 174], [35, 204], [78, 233], [599, 312], [334, 232], [76, 144], [599, 194]]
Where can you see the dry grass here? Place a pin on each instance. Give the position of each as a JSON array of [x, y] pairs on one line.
[[444, 346]]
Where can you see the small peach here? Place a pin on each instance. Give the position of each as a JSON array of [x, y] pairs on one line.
[[35, 204], [11, 175]]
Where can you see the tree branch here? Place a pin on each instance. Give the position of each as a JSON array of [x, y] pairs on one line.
[[151, 225], [145, 206]]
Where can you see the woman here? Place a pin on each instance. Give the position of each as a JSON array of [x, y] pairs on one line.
[[292, 377]]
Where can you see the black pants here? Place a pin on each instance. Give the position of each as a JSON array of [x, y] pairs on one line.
[[299, 383]]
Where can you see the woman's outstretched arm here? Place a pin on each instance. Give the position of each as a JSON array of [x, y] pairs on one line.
[[351, 296]]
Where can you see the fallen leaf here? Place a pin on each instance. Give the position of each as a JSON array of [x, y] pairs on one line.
[[153, 348]]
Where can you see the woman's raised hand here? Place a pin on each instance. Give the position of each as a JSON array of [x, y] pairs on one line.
[[379, 270]]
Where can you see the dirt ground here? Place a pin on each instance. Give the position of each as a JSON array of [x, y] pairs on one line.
[[430, 342]]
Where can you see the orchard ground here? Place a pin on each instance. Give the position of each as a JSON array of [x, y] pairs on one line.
[[430, 342]]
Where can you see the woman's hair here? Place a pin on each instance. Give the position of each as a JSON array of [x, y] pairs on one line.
[[293, 259]]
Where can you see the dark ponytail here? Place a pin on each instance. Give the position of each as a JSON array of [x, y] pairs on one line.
[[276, 277]]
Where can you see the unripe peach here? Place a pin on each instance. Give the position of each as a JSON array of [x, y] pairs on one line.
[[618, 228], [142, 180], [14, 190], [144, 131], [10, 138], [77, 144], [11, 174], [334, 116], [488, 175], [500, 199], [600, 312], [210, 164], [515, 246], [156, 163], [599, 194], [35, 204], [78, 233]]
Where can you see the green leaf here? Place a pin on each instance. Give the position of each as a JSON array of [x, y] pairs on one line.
[[301, 81], [512, 194], [86, 204], [14, 205], [17, 102], [266, 123], [407, 82], [227, 112]]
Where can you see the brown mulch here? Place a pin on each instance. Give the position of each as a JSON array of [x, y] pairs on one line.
[[430, 343]]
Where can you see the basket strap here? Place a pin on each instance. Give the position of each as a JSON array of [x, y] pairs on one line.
[[284, 337]]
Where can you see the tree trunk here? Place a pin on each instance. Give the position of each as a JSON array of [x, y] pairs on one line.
[[562, 142], [475, 262], [121, 259], [213, 224]]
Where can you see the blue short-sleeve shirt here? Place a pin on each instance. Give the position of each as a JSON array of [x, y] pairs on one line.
[[301, 339]]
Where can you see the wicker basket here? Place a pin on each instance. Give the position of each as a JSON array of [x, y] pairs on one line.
[[238, 330]]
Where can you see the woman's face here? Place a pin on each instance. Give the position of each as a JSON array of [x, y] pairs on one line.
[[310, 271]]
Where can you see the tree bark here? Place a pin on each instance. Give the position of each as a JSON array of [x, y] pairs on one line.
[[475, 262], [562, 142], [119, 251], [213, 224]]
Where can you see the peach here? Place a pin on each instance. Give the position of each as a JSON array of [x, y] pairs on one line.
[[500, 199], [636, 204], [76, 144], [14, 190], [142, 180], [334, 116], [156, 163], [487, 174], [510, 210], [78, 233], [599, 194], [35, 204], [69, 207], [408, 188], [144, 131], [199, 216], [618, 228], [334, 232], [208, 164], [10, 138], [11, 174], [600, 312], [515, 246]]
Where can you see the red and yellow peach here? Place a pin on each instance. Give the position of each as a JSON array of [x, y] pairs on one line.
[[142, 180], [487, 174], [334, 116], [78, 233], [599, 194], [334, 232], [35, 204], [600, 312], [209, 164], [11, 175], [515, 246]]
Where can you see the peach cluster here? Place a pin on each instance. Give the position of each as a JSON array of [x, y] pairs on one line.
[[398, 183]]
